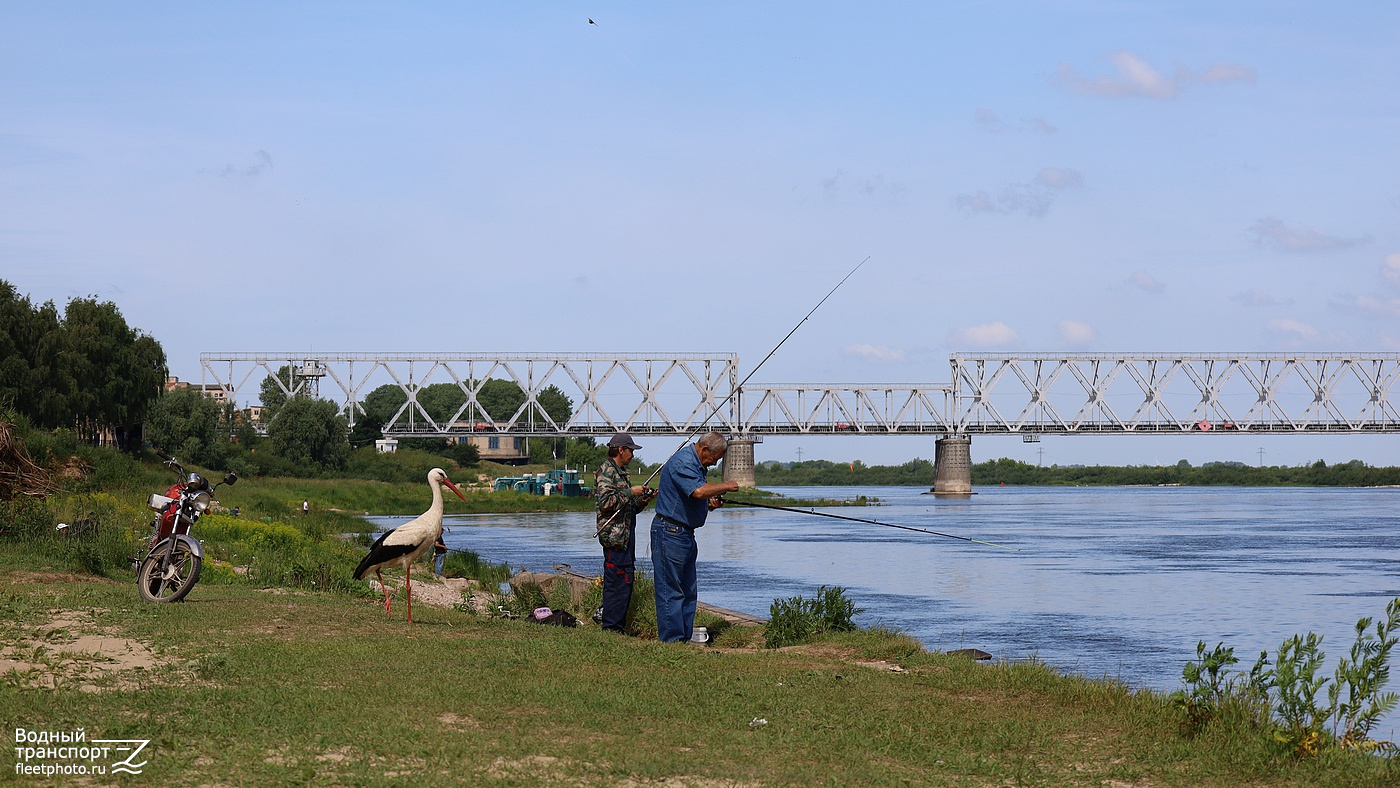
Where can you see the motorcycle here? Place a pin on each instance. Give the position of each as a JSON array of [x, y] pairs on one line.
[[171, 565]]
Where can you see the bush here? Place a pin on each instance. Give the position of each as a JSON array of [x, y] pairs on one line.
[[796, 620], [465, 563]]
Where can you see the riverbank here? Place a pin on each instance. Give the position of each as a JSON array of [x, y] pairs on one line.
[[288, 671], [264, 686]]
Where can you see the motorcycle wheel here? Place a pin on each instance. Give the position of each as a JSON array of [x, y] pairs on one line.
[[172, 584]]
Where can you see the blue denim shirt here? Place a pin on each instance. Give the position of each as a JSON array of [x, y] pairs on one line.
[[680, 476]]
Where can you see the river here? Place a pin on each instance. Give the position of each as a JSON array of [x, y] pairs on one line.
[[1116, 582]]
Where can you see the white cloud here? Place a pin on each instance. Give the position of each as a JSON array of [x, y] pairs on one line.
[[1074, 334], [262, 163], [990, 121], [1391, 269], [865, 186], [1286, 326], [1058, 178], [876, 354], [1273, 234], [985, 336], [1254, 297], [1384, 307], [1136, 78], [1033, 198], [1144, 281]]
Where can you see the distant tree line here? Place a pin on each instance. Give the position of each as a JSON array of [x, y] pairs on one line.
[[1354, 473], [310, 436], [918, 472], [823, 473], [83, 370]]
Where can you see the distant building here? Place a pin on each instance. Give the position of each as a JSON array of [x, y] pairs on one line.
[[214, 392], [504, 449]]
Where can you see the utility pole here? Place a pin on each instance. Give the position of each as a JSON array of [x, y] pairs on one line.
[[1040, 460], [799, 454], [1261, 456]]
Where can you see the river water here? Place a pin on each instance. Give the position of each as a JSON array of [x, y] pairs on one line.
[[1117, 582]]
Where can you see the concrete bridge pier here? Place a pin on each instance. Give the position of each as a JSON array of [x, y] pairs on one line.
[[952, 465], [738, 462]]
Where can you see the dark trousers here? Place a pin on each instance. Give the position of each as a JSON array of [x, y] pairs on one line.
[[617, 583]]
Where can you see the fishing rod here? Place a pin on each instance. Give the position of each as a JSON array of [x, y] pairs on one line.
[[740, 387], [872, 522]]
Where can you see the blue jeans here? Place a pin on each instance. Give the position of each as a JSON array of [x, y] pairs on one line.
[[617, 583], [437, 563], [673, 553]]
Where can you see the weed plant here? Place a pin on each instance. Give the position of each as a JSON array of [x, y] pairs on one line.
[[1282, 700], [796, 620], [465, 563]]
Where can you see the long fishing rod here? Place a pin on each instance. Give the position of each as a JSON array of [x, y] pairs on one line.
[[872, 522], [740, 387]]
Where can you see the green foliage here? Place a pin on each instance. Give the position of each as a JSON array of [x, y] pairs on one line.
[[1284, 699], [796, 619], [87, 371], [99, 539], [1301, 723], [1363, 673], [185, 423], [1349, 474], [310, 433], [465, 563], [1209, 688]]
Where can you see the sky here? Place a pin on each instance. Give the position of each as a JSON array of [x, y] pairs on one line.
[[1115, 177]]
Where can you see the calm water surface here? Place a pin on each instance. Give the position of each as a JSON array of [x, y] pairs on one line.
[[1118, 582]]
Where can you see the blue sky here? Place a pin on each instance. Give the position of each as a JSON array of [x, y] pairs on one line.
[[1038, 176]]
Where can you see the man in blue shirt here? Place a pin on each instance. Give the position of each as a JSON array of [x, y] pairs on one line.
[[683, 500]]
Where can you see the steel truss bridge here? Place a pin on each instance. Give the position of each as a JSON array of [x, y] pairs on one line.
[[990, 394]]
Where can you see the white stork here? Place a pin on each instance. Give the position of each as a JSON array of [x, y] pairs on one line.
[[403, 545]]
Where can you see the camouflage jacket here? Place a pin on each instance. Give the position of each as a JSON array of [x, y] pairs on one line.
[[612, 494]]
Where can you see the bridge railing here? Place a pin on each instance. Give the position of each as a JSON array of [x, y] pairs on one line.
[[1174, 393]]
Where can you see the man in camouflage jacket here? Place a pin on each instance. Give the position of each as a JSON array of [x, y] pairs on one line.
[[618, 501]]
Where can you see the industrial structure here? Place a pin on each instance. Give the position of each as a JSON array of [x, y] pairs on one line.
[[989, 394]]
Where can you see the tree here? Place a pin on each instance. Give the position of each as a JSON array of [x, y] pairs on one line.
[[88, 371], [272, 394], [310, 433], [502, 398], [185, 423], [376, 409]]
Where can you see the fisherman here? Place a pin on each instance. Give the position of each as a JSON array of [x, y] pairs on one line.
[[618, 500], [684, 500]]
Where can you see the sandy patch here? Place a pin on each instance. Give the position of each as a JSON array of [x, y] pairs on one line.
[[71, 649]]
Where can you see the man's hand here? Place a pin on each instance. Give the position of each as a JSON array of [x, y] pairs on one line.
[[716, 502]]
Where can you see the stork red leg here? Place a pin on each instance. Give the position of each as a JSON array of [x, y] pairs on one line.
[[385, 589], [408, 583]]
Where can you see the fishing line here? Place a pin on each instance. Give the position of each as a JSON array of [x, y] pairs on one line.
[[740, 387], [872, 522]]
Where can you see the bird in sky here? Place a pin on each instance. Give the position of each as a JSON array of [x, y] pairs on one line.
[[403, 545], [591, 22]]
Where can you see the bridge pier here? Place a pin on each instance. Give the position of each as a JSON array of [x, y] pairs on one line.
[[738, 462], [952, 465]]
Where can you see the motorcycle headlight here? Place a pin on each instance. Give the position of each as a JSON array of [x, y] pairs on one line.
[[200, 502]]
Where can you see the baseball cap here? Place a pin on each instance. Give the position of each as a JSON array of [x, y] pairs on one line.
[[623, 441]]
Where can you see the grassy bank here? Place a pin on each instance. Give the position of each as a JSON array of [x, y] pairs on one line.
[[247, 686], [280, 669]]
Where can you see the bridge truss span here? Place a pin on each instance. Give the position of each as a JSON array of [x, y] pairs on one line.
[[846, 409], [648, 394], [1174, 393]]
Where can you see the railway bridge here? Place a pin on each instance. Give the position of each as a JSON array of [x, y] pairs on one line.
[[679, 394]]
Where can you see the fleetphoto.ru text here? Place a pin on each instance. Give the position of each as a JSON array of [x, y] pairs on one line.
[[54, 753]]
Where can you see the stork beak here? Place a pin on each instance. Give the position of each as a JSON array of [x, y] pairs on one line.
[[453, 488]]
